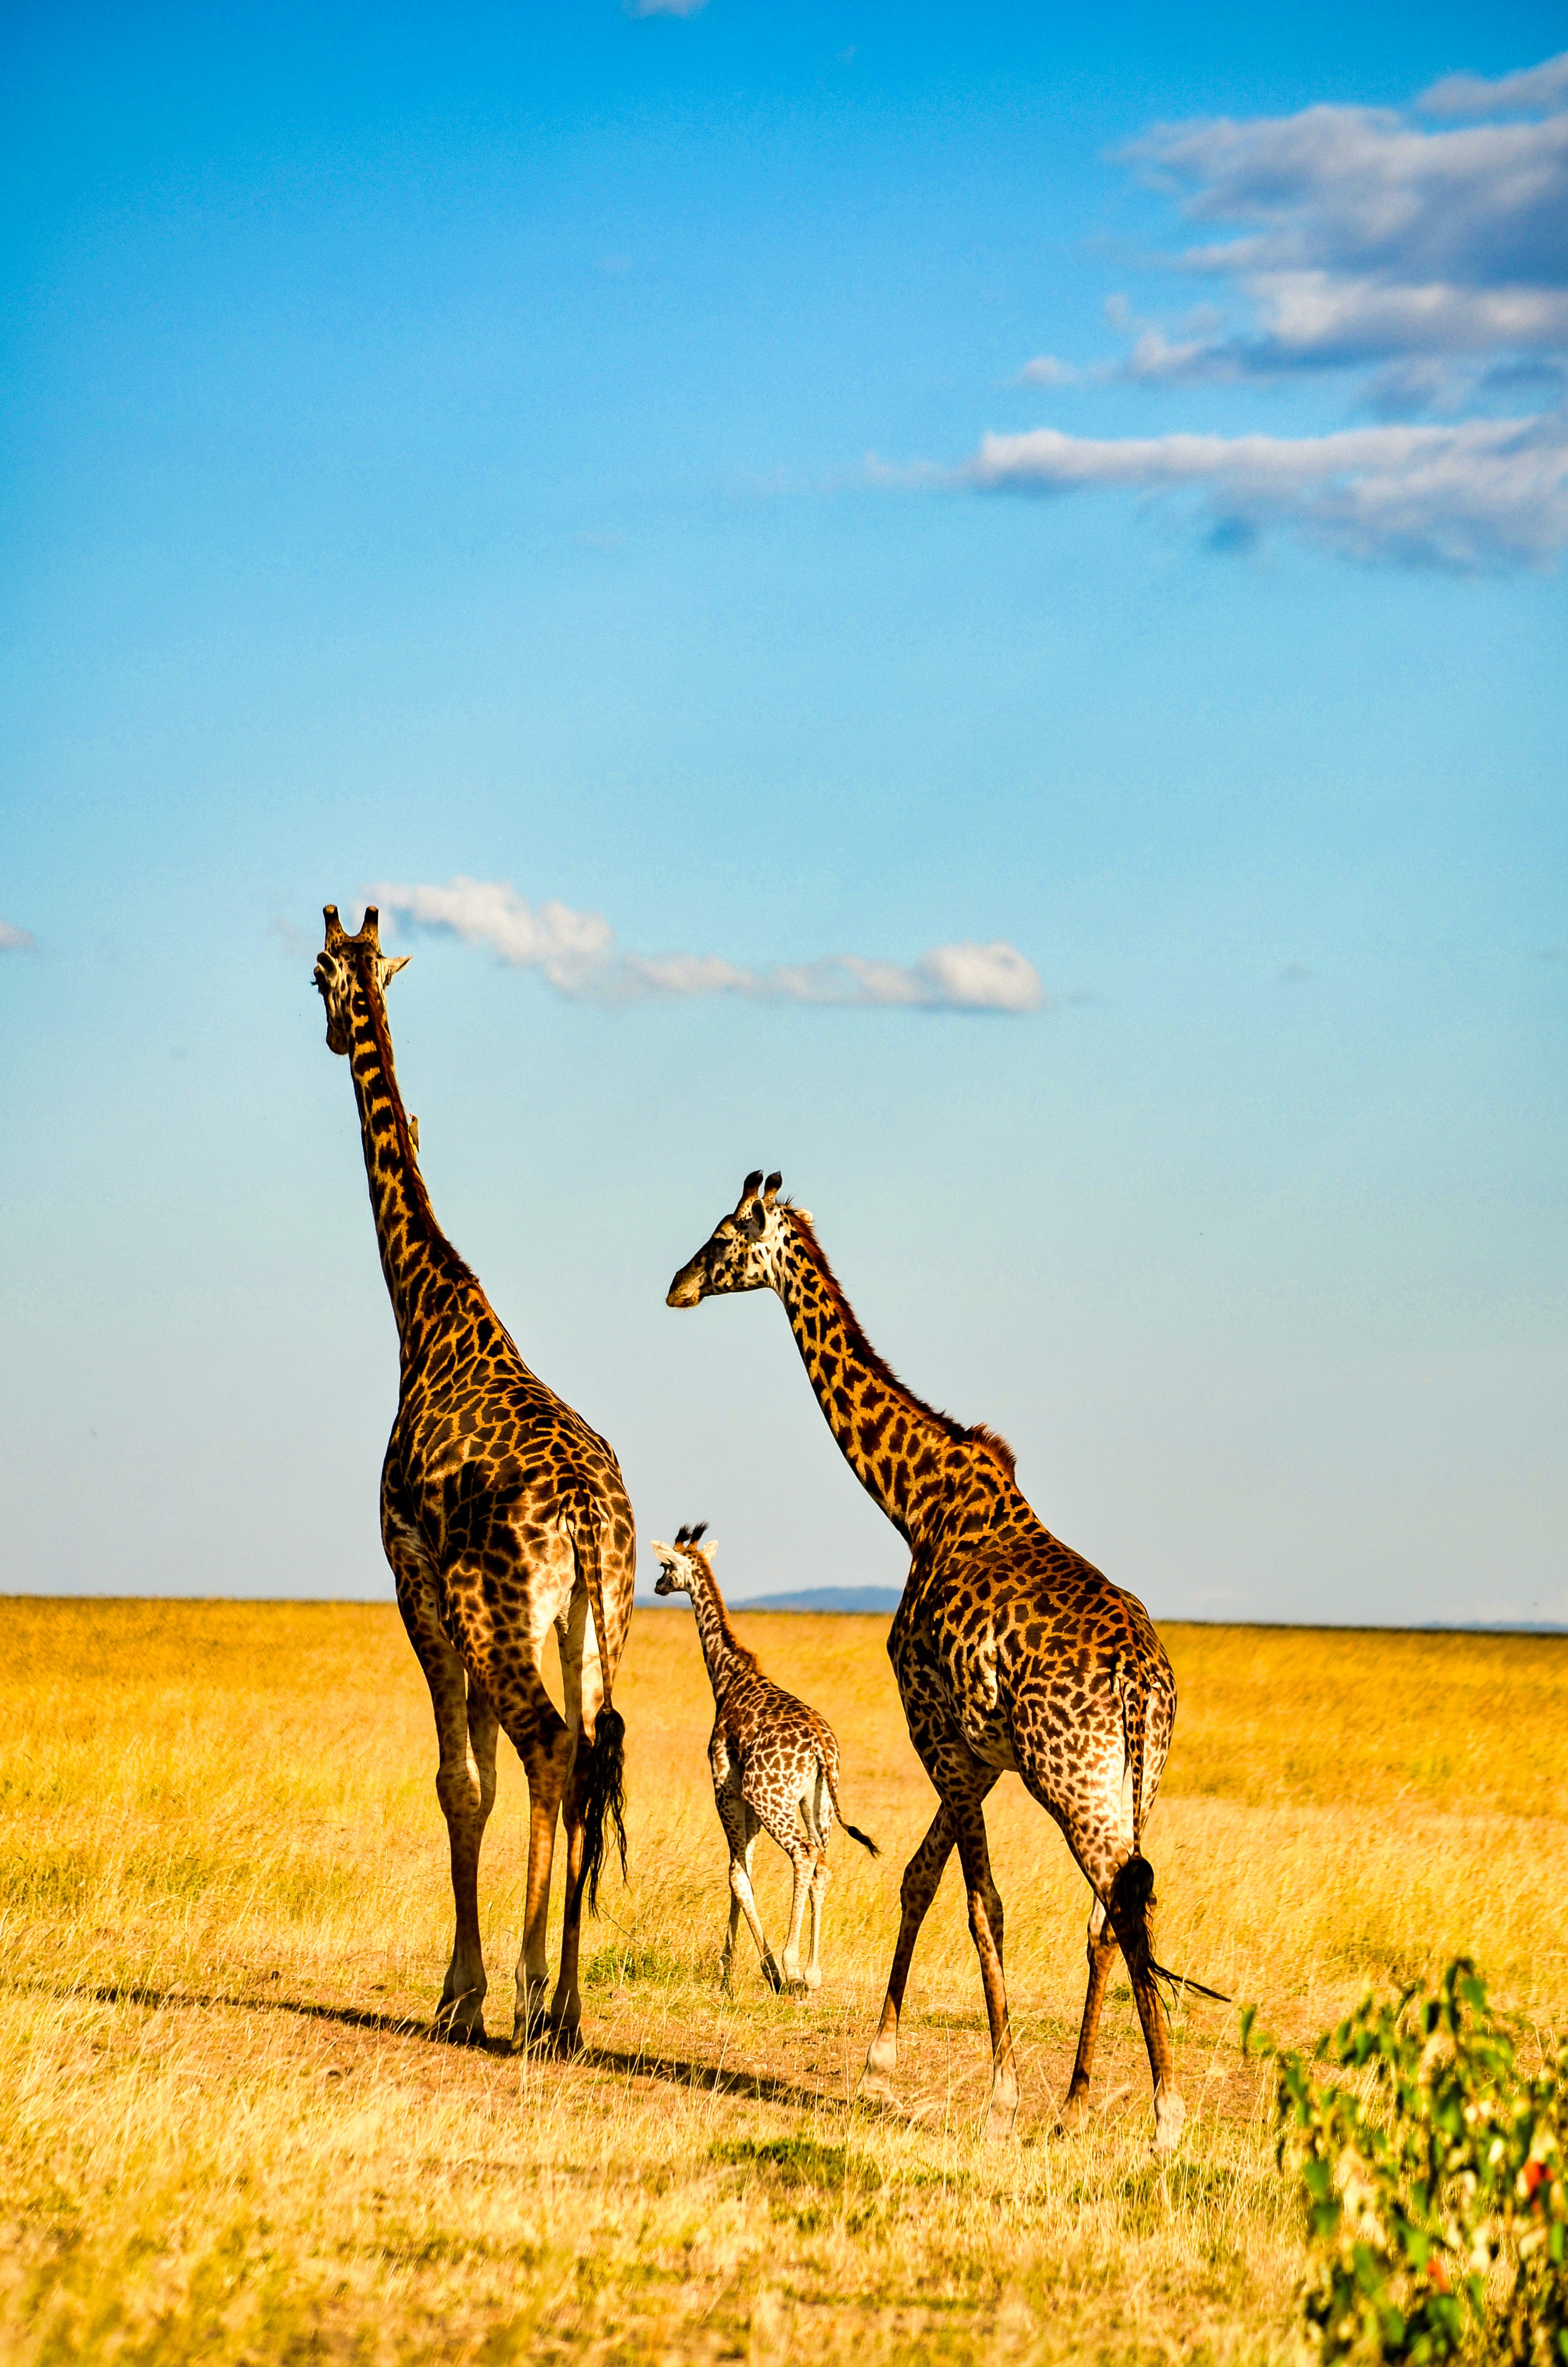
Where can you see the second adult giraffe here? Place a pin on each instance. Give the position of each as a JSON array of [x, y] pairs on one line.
[[1010, 1651], [503, 1515]]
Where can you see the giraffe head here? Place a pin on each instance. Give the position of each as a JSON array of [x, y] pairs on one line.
[[342, 967], [743, 1250], [675, 1573]]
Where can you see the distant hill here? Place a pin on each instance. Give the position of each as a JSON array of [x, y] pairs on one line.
[[862, 1598]]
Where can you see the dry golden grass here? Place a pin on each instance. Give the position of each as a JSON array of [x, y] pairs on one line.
[[226, 2134]]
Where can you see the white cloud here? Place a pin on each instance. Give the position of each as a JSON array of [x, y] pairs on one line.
[[14, 940], [1474, 497], [577, 954], [1531, 93], [1430, 258], [664, 8], [1367, 236], [1046, 370]]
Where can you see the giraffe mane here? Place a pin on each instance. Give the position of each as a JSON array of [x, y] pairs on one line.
[[457, 1268], [732, 1643], [979, 1433]]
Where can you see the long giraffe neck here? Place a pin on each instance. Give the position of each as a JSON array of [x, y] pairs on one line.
[[913, 1460], [726, 1656], [425, 1276]]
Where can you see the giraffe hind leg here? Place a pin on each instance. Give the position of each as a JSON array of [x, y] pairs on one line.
[[818, 1806], [1126, 1882], [921, 1877], [1102, 1951], [582, 1692], [743, 1898], [985, 1930], [785, 1829], [465, 1784]]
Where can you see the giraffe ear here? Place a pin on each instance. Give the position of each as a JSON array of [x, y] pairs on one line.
[[390, 964]]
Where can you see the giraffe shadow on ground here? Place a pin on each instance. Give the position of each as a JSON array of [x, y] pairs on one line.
[[714, 2078], [385, 2025], [678, 2071]]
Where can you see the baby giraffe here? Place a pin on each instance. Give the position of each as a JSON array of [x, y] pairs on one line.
[[774, 1762]]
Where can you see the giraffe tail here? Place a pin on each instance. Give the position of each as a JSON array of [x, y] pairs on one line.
[[1131, 1900], [604, 1809], [853, 1831]]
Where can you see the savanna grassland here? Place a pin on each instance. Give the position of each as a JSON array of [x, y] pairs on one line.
[[225, 2134]]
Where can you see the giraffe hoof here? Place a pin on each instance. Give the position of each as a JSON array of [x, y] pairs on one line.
[[797, 1984], [1170, 2113], [564, 2038], [1074, 2115], [460, 2023], [999, 2120], [772, 1972], [876, 2090]]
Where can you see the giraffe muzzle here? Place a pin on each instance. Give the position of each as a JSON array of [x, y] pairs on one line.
[[689, 1285]]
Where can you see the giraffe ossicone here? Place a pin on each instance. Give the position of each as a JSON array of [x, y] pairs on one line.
[[774, 1767], [1012, 1653], [503, 1516]]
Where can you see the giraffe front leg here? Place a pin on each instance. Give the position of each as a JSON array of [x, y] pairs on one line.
[[921, 1877]]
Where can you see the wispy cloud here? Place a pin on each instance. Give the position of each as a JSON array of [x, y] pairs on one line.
[[664, 8], [1473, 498], [1367, 236], [577, 954], [1431, 261], [1531, 93], [14, 940]]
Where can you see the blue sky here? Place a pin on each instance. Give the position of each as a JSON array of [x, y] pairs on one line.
[[968, 604]]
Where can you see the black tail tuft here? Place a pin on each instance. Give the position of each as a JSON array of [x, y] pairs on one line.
[[1130, 1902], [864, 1839], [606, 1803]]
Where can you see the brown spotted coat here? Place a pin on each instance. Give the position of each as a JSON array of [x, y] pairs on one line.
[[774, 1766], [503, 1516], [1011, 1653]]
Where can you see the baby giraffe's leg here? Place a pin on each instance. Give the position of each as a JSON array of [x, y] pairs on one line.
[[740, 1827], [819, 1818], [781, 1827]]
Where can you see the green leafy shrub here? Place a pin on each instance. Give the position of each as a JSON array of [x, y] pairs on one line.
[[1433, 2182]]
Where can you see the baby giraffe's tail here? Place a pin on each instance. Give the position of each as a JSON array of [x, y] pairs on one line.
[[853, 1831]]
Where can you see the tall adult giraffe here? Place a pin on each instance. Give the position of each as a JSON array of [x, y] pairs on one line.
[[503, 1515], [1010, 1651]]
